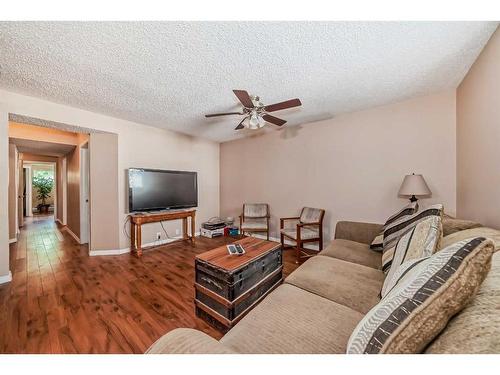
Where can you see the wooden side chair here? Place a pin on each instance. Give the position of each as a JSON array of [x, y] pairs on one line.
[[308, 229], [255, 218]]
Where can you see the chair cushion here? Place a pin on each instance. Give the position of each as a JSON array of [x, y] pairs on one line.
[[348, 284], [305, 233], [310, 215], [476, 329], [428, 293], [255, 210], [354, 252], [254, 224], [291, 320], [421, 241]]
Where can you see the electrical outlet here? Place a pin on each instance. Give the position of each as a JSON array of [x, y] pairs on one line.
[[158, 236], [177, 232]]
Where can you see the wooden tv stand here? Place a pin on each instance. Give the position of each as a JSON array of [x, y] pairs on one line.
[[136, 221]]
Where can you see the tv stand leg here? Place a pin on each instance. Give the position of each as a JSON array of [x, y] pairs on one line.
[[193, 227], [138, 250]]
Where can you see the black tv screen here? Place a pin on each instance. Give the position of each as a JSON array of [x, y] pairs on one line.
[[151, 190]]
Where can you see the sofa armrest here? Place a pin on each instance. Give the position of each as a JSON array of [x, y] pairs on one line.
[[188, 341], [357, 231]]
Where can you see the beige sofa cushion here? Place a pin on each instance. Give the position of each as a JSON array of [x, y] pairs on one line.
[[346, 283], [187, 341], [354, 252], [476, 329], [430, 291], [291, 320], [452, 225], [494, 234]]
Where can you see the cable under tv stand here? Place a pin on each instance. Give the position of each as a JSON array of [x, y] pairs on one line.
[[138, 219]]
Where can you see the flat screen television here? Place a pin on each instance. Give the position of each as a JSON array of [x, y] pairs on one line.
[[153, 190]]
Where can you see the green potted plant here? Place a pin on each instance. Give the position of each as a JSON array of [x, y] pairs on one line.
[[43, 184]]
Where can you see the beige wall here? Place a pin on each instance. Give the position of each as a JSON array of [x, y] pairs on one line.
[[478, 138], [138, 146], [4, 194], [103, 150], [352, 165], [13, 155]]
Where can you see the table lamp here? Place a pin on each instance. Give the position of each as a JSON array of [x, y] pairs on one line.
[[414, 185]]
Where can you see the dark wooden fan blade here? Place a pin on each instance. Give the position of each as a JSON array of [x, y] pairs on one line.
[[274, 120], [240, 125], [244, 98], [283, 105], [224, 114]]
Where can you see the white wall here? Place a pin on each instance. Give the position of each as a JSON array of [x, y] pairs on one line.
[[138, 146], [352, 165]]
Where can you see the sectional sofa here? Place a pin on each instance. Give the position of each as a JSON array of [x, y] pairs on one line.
[[318, 306]]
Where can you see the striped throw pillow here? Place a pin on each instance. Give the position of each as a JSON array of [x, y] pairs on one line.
[[378, 242], [395, 230], [420, 241], [428, 293]]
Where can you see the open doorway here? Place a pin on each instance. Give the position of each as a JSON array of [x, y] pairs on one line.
[[39, 189]]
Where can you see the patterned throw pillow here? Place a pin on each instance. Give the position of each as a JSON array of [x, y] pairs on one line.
[[427, 293], [421, 241], [395, 230], [408, 210]]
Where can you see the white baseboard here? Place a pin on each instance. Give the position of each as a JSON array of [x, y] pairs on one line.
[[126, 250], [70, 232], [12, 240], [94, 253], [6, 278], [309, 246]]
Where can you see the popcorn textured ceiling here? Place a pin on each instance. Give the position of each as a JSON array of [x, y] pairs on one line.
[[169, 74]]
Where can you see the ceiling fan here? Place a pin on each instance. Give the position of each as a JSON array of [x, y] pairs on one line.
[[256, 112]]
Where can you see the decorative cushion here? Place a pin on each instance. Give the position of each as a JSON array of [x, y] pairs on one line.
[[475, 329], [452, 225], [310, 215], [397, 228], [421, 241], [305, 233], [429, 291], [408, 210], [255, 210], [493, 234], [378, 242]]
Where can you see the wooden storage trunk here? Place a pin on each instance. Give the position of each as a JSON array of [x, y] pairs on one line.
[[228, 286]]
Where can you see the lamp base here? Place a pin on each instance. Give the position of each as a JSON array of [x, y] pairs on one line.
[[413, 199]]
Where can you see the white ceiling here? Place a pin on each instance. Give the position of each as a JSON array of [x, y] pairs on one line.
[[169, 74]]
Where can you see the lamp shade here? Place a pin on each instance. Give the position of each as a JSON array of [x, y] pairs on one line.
[[414, 184]]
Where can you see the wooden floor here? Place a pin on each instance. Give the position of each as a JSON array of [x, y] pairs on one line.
[[61, 300]]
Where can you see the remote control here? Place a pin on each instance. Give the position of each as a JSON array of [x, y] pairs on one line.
[[239, 248], [231, 249]]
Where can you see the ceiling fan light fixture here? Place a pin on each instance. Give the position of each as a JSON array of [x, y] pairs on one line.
[[255, 121]]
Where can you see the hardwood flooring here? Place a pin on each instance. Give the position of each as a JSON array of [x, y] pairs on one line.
[[61, 300]]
